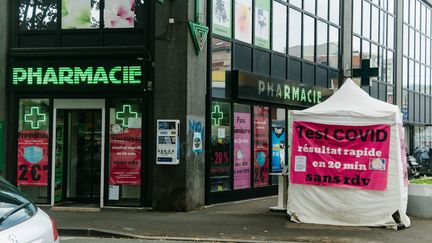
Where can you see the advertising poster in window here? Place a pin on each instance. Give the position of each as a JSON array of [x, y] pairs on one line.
[[220, 145], [32, 158], [340, 156], [242, 153], [262, 23], [261, 146], [278, 147], [80, 14], [222, 18], [125, 155], [243, 20]]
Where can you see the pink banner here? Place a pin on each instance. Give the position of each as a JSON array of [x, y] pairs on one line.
[[32, 158], [340, 156], [242, 151], [125, 157]]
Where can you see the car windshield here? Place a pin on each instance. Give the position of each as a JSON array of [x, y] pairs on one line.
[[15, 207]]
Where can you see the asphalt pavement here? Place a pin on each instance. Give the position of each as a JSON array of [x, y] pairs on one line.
[[244, 221]]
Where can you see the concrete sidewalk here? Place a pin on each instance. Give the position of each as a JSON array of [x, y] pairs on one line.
[[245, 221]]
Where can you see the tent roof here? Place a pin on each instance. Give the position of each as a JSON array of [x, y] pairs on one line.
[[351, 100]]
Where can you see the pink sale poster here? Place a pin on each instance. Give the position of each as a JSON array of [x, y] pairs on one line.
[[340, 156], [242, 151]]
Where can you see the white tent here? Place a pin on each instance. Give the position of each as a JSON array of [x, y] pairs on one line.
[[351, 106]]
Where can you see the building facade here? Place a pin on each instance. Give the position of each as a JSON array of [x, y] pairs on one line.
[[108, 102]]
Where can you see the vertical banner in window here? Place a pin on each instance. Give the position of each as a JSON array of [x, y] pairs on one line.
[[278, 146], [125, 144], [33, 157], [32, 152], [222, 18], [220, 144], [243, 20], [242, 153], [261, 145], [262, 23]]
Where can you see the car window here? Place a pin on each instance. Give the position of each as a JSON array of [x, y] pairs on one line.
[[15, 207]]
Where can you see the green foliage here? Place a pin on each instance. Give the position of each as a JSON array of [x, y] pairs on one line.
[[426, 180]]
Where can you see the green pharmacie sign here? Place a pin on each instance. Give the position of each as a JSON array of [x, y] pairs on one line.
[[266, 89], [117, 75]]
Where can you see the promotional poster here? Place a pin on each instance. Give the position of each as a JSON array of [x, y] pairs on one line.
[[261, 146], [125, 156], [32, 158], [278, 148], [340, 156], [242, 151]]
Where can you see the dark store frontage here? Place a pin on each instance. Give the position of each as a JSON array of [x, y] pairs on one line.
[[81, 129]]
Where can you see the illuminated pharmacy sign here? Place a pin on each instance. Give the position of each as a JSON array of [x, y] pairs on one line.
[[117, 75], [267, 89]]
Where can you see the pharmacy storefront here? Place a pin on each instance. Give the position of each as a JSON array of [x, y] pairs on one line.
[[79, 122]]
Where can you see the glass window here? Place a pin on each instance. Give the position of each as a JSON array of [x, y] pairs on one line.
[[125, 152], [411, 78], [356, 62], [80, 14], [321, 42], [428, 23], [124, 13], [417, 76], [390, 67], [261, 146], [366, 19], [374, 27], [405, 74], [32, 149], [222, 18], [38, 15], [322, 8], [309, 6], [220, 147], [417, 45], [374, 56], [243, 20], [390, 6], [412, 12], [279, 27], [333, 46], [297, 3], [308, 38], [382, 64], [422, 48], [365, 49], [417, 15], [428, 51], [357, 16], [221, 62], [390, 36], [242, 146], [295, 30], [406, 11], [262, 23], [383, 28], [411, 42], [334, 11], [423, 19], [405, 39]]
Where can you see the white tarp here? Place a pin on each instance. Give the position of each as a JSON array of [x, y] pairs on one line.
[[350, 105]]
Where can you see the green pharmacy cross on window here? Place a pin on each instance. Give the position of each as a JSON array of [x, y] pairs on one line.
[[365, 72], [216, 115], [124, 115], [35, 118]]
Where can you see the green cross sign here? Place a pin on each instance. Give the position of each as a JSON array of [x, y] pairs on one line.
[[365, 72], [35, 117], [216, 115], [125, 115]]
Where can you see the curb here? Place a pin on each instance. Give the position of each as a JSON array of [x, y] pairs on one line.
[[93, 232]]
